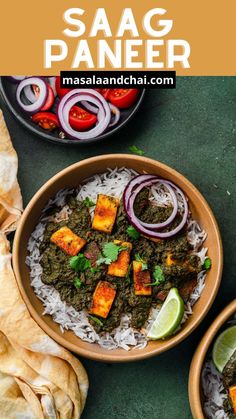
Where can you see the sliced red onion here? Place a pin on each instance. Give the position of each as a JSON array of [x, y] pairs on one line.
[[116, 112], [16, 79], [29, 94], [136, 181], [40, 100], [79, 95], [142, 227], [89, 107], [169, 220]]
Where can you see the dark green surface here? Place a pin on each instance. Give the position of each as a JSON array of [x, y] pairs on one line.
[[192, 129]]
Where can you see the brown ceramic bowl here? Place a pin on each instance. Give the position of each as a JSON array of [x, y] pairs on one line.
[[194, 384], [71, 177]]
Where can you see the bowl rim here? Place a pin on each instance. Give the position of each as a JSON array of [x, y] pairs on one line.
[[194, 382], [67, 141], [184, 333]]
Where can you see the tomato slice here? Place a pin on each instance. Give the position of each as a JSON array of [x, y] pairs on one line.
[[50, 98], [105, 93], [80, 119], [60, 91], [123, 98], [46, 120]]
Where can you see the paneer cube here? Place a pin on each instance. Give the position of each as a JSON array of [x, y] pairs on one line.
[[232, 394], [121, 266], [68, 241], [103, 298], [105, 213], [141, 278]]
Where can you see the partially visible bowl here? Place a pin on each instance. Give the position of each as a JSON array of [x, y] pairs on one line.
[[196, 397], [8, 91], [71, 177]]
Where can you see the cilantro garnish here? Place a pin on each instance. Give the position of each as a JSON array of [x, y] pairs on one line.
[[158, 276], [88, 202], [132, 232], [79, 263], [77, 282], [127, 276], [207, 264], [135, 150], [103, 260], [139, 259], [94, 270], [110, 253], [96, 320]]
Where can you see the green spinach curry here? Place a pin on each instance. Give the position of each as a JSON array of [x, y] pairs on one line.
[[169, 262]]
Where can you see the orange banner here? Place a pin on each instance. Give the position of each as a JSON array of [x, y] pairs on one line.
[[191, 37]]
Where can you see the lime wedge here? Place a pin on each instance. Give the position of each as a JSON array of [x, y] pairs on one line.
[[224, 347], [169, 317]]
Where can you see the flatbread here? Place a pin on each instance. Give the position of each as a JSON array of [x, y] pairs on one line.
[[38, 377]]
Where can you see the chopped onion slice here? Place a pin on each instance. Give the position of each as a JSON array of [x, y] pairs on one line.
[[116, 112], [149, 229], [16, 79], [79, 95], [40, 100]]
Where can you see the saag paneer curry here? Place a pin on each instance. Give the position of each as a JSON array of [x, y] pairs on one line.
[[106, 267]]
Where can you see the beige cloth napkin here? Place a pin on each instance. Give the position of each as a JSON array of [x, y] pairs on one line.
[[38, 378]]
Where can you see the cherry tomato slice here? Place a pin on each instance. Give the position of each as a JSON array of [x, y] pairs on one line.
[[60, 91], [123, 98], [105, 93], [81, 120], [46, 120], [50, 98]]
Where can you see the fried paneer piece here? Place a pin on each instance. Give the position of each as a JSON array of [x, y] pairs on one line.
[[121, 266], [103, 298], [105, 213], [140, 279], [232, 395], [68, 241]]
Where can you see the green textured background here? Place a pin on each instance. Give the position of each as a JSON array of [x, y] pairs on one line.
[[192, 129]]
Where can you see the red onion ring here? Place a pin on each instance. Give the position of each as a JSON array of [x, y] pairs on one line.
[[40, 100], [78, 95], [89, 107], [129, 199], [169, 220], [137, 180], [16, 79], [115, 111]]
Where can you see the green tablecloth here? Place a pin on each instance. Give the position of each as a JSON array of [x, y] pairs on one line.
[[192, 129]]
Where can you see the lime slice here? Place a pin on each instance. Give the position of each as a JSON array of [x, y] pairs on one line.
[[169, 317], [224, 347]]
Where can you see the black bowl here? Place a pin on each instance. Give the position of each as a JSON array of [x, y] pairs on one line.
[[8, 91]]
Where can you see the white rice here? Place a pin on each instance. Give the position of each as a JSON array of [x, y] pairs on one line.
[[213, 389], [214, 392], [112, 183]]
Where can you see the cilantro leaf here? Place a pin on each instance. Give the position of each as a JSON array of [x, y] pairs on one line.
[[102, 259], [77, 282], [111, 251], [207, 264], [132, 232], [94, 270], [88, 202], [158, 276], [139, 259], [135, 150], [96, 320], [79, 263]]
